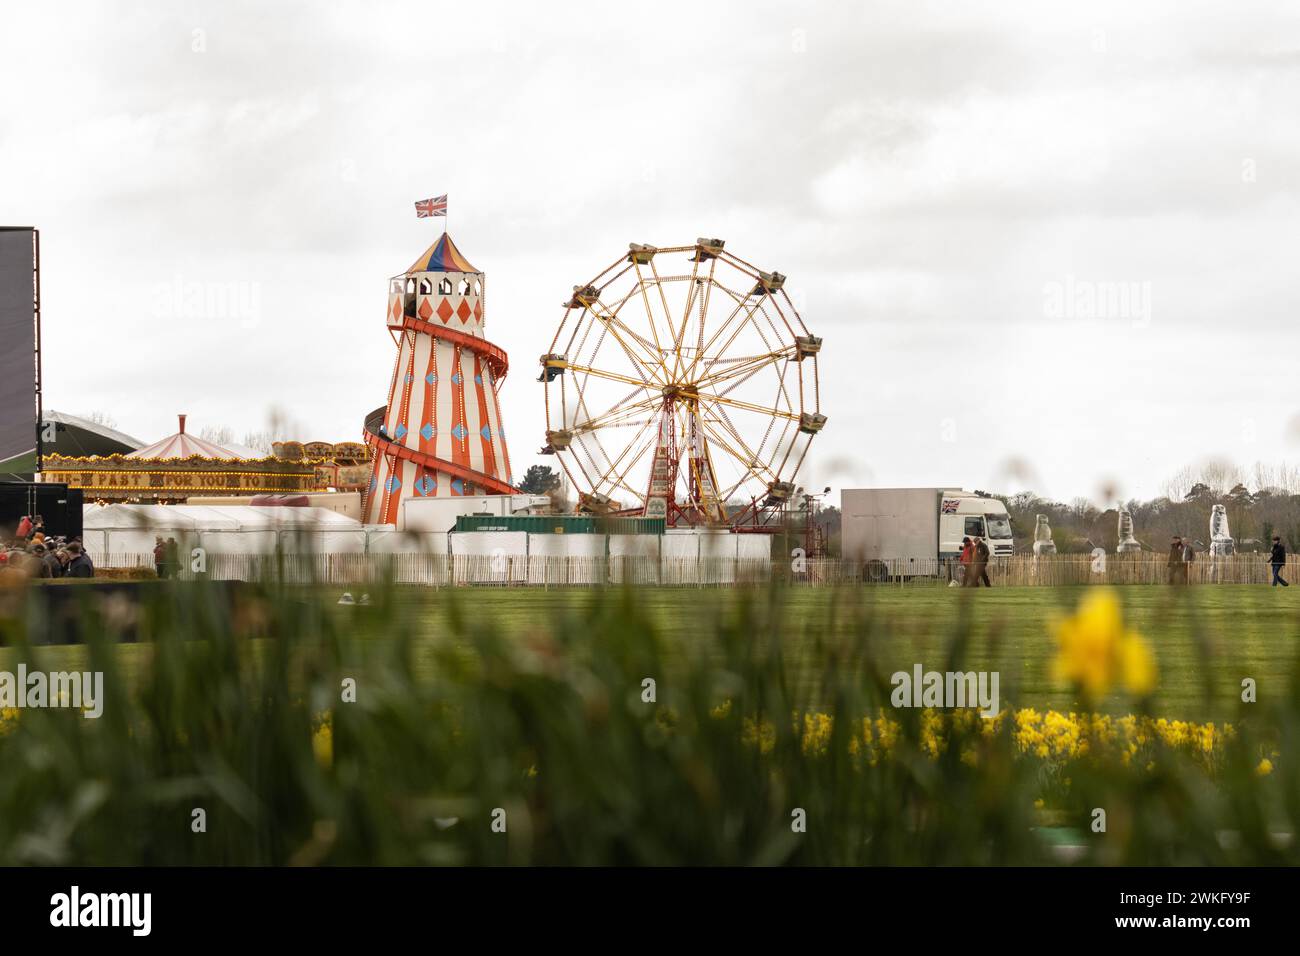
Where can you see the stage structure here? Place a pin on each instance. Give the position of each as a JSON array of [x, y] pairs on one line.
[[682, 385], [440, 433]]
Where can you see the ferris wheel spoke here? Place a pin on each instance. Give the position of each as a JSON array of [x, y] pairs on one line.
[[744, 367], [649, 313], [749, 465], [610, 376], [750, 457], [621, 478], [644, 364], [747, 320], [747, 406], [618, 415]]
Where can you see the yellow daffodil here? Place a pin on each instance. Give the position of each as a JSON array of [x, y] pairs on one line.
[[1096, 651]]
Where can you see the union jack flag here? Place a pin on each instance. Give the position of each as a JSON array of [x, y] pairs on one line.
[[949, 506], [437, 206]]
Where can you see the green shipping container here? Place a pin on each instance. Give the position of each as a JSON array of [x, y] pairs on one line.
[[560, 524]]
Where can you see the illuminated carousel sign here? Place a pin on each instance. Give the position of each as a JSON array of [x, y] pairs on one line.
[[116, 476]]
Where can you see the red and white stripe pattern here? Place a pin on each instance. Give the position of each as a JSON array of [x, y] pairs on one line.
[[443, 399]]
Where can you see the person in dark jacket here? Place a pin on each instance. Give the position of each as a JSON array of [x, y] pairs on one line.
[[79, 564], [52, 562], [159, 557], [1277, 558], [40, 567], [1175, 562], [977, 572]]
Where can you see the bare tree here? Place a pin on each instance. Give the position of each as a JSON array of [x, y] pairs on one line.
[[100, 418], [218, 434], [1179, 484], [258, 441]]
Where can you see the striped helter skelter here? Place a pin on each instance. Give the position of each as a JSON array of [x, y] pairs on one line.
[[440, 434]]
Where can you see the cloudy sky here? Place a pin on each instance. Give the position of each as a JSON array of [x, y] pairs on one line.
[[1047, 245]]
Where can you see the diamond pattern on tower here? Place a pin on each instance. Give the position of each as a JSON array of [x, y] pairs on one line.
[[463, 311], [426, 310], [444, 310]]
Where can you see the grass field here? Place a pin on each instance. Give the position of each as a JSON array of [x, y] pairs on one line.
[[1241, 631], [1207, 639]]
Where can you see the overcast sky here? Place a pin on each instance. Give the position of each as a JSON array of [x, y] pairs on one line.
[[1046, 248]]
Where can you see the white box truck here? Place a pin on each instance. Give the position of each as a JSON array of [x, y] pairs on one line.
[[906, 532]]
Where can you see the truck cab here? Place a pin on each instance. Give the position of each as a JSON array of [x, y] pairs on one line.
[[966, 515]]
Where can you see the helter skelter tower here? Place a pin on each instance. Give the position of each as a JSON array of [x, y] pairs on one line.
[[440, 433]]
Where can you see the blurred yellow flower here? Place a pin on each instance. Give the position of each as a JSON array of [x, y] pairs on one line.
[[1265, 767], [1095, 651]]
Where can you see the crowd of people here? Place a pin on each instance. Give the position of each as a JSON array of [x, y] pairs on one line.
[[35, 554]]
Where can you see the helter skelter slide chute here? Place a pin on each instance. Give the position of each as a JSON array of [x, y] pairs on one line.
[[440, 434]]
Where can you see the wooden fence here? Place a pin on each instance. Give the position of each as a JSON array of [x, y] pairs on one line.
[[1023, 570]]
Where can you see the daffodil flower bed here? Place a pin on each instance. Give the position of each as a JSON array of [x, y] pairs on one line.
[[1050, 736]]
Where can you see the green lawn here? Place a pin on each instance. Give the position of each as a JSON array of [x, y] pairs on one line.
[[1241, 631]]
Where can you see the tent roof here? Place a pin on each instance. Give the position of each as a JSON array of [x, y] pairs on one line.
[[95, 433], [442, 256], [182, 445]]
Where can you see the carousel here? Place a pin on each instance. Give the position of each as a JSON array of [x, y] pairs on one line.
[[179, 467]]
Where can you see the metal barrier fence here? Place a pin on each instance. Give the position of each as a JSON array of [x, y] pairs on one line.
[[442, 570]]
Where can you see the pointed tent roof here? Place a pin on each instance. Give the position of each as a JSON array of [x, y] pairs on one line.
[[442, 256], [182, 445]]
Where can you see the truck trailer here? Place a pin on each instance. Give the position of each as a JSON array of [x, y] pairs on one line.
[[910, 532]]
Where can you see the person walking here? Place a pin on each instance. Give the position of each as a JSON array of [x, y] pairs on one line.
[[977, 573], [159, 557], [1277, 558], [1175, 562], [1189, 555], [964, 559], [173, 552]]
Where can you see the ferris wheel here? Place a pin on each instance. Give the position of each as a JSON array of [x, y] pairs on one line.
[[682, 384]]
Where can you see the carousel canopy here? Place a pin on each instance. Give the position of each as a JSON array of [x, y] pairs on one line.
[[182, 445], [442, 256]]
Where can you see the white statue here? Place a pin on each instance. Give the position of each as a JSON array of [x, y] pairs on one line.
[[1043, 543], [1221, 542], [1127, 543]]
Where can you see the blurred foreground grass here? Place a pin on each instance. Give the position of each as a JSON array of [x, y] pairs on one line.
[[480, 706]]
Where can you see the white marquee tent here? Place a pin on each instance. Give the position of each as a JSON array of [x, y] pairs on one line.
[[225, 529]]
